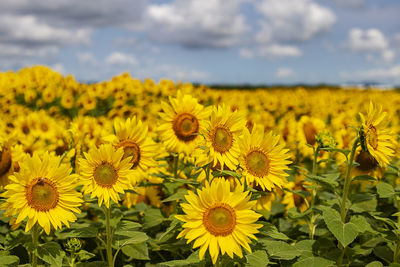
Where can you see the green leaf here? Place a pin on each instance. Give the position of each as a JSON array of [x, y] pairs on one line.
[[385, 190], [223, 173], [344, 233], [257, 259], [9, 261], [136, 251], [270, 230], [305, 247], [374, 264], [167, 234], [360, 222], [192, 259], [127, 225], [329, 180], [116, 216], [51, 253], [313, 262], [84, 255], [93, 264], [364, 178], [177, 196], [152, 217], [280, 250], [127, 237]]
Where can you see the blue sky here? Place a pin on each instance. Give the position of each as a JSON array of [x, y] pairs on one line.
[[213, 41]]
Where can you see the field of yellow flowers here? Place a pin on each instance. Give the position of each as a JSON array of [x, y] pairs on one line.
[[137, 173]]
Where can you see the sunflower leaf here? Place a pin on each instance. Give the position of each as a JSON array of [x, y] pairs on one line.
[[280, 250], [257, 258], [385, 190], [345, 233], [51, 253], [9, 261]]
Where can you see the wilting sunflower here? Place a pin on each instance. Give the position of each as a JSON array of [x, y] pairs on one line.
[[182, 120], [44, 191], [219, 220], [104, 173], [376, 136], [222, 137], [263, 160], [132, 136]]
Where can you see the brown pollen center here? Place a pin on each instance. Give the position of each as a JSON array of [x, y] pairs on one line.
[[220, 220], [222, 139], [185, 126], [42, 194], [105, 175]]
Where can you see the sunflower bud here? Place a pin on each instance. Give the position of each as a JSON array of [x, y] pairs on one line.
[[73, 244], [325, 140]]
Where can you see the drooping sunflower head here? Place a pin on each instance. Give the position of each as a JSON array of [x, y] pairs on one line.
[[222, 136], [44, 191], [132, 136], [182, 120], [375, 136], [104, 173], [263, 160], [219, 220], [307, 129]]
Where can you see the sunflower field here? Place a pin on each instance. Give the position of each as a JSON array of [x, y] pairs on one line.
[[137, 173]]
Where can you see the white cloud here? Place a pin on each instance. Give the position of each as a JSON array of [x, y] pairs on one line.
[[292, 20], [390, 74], [367, 40], [172, 72], [276, 50], [197, 23], [372, 42], [121, 59], [87, 58], [59, 67], [284, 73], [246, 53]]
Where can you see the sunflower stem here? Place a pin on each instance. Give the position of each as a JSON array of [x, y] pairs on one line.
[[347, 181], [107, 212], [346, 189], [176, 159], [35, 241], [313, 194], [396, 250]]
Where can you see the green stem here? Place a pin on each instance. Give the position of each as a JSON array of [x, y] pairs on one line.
[[73, 258], [35, 240], [347, 181], [107, 212], [176, 159], [396, 250], [311, 225], [346, 189]]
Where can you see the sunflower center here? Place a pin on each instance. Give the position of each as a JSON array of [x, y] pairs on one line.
[[310, 132], [220, 220], [105, 175], [372, 137], [222, 139], [367, 161], [185, 126], [257, 163], [42, 194], [131, 149], [5, 161]]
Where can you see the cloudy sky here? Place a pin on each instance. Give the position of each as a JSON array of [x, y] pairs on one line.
[[207, 41]]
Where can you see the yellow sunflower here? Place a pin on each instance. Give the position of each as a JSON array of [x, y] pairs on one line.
[[132, 136], [219, 220], [182, 120], [263, 160], [44, 191], [222, 137], [376, 136], [104, 173]]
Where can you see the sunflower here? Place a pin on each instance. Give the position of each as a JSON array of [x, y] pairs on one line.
[[104, 173], [307, 129], [222, 137], [263, 160], [219, 220], [182, 120], [376, 136], [133, 137], [44, 191]]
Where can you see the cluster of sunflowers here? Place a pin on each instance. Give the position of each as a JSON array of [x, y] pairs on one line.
[[139, 167]]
